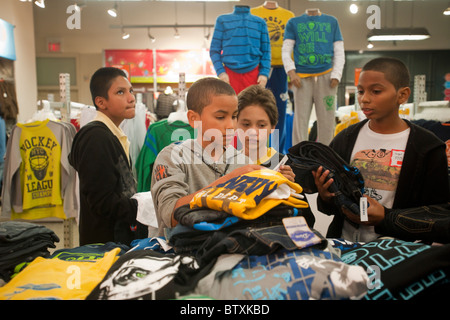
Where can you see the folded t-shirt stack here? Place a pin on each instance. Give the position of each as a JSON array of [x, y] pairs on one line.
[[23, 242]]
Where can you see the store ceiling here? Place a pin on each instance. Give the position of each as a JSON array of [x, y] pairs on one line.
[[162, 0], [97, 25]]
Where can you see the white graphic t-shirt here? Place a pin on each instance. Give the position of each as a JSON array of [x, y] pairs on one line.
[[379, 157]]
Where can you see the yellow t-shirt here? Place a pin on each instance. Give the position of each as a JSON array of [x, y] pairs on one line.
[[270, 153], [54, 279], [250, 195], [346, 122], [276, 20], [40, 172]]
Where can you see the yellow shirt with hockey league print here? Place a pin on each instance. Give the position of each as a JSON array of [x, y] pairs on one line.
[[40, 171], [250, 195]]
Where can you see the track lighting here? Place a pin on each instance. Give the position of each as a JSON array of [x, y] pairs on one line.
[[152, 38], [447, 11], [40, 3], [354, 8], [125, 35], [398, 34], [113, 11], [208, 35], [176, 35], [370, 45]]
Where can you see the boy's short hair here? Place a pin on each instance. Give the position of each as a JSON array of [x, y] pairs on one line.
[[201, 91], [258, 96], [395, 71], [101, 81]]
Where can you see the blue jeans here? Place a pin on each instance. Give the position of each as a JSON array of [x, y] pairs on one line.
[[249, 241], [427, 223]]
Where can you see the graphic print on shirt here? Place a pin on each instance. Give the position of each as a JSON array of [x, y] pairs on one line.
[[128, 180], [380, 169], [310, 34], [41, 154], [140, 277], [160, 172], [238, 190], [276, 22]]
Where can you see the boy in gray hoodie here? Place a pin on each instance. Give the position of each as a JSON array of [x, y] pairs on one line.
[[183, 169]]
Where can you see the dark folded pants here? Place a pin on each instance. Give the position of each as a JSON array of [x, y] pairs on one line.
[[184, 237], [250, 241], [348, 184], [427, 223]]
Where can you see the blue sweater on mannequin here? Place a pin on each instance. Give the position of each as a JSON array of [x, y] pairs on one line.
[[240, 42]]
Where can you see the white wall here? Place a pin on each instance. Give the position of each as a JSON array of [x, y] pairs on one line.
[[21, 16]]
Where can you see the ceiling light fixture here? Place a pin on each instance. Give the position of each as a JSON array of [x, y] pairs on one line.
[[40, 3], [152, 38], [113, 11], [370, 45], [125, 35], [208, 35], [398, 34], [354, 8], [447, 11], [176, 35]]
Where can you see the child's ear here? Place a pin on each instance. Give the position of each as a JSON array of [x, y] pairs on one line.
[[192, 117], [100, 102], [403, 95]]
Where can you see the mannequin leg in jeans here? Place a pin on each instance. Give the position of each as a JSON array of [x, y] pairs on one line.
[[277, 82]]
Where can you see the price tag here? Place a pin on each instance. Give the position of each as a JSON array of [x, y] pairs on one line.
[[282, 162], [299, 232], [363, 209]]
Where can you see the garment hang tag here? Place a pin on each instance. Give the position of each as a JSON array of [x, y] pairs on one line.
[[299, 232], [363, 209], [282, 162]]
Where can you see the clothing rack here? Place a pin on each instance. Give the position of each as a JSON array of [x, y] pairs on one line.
[[64, 106], [65, 109]]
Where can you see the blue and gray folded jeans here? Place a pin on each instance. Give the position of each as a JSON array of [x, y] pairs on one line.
[[348, 184]]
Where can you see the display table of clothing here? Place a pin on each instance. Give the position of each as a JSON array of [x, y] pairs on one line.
[[263, 269], [272, 254]]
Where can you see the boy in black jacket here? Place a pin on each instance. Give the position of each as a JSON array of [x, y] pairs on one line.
[[100, 154], [403, 165]]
